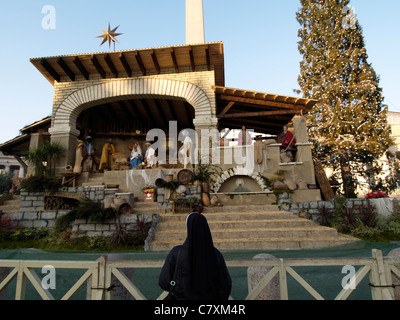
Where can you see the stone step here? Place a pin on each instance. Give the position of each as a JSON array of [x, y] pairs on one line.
[[263, 243], [255, 223], [145, 205], [306, 232], [250, 228], [241, 208], [11, 205], [225, 216]]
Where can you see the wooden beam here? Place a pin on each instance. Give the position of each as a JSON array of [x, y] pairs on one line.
[[172, 110], [226, 109], [162, 114], [173, 56], [208, 58], [192, 59], [258, 127], [155, 61], [135, 109], [45, 64], [257, 114], [81, 68], [98, 66], [140, 63], [111, 65], [66, 69], [126, 65], [124, 109], [264, 123], [261, 102], [148, 113]]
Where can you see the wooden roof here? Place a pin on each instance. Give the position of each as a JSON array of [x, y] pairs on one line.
[[20, 144], [263, 112], [130, 63]]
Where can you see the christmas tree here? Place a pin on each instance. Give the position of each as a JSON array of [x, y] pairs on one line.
[[349, 124]]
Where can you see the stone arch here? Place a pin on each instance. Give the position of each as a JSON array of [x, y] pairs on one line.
[[66, 114], [236, 172]]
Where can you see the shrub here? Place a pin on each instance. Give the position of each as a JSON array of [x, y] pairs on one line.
[[87, 209], [365, 232], [368, 214], [41, 184], [324, 216], [5, 183], [6, 226]]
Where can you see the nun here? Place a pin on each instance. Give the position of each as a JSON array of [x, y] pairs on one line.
[[200, 273]]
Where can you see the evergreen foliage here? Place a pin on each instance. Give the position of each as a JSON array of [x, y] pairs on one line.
[[349, 123]]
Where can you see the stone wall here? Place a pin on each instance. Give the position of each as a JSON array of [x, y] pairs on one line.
[[46, 219], [35, 219], [312, 208], [32, 212], [34, 201]]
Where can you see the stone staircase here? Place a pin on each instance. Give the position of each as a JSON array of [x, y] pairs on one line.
[[12, 205], [250, 228], [93, 179]]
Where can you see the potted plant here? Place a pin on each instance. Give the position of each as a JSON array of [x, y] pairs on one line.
[[206, 173]]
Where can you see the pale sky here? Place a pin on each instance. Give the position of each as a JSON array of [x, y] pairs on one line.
[[260, 44]]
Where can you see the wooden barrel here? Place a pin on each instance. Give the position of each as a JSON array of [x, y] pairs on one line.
[[185, 176]]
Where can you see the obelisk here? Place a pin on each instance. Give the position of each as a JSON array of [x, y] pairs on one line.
[[194, 22]]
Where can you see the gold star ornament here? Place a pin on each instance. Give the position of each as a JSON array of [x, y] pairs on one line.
[[109, 35]]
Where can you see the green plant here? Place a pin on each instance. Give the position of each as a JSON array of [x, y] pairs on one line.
[[143, 225], [172, 185], [363, 231], [368, 214], [345, 215], [93, 211], [121, 237], [87, 209], [97, 242], [44, 158], [52, 151], [207, 172], [324, 215], [5, 183], [29, 234], [41, 184], [266, 181]]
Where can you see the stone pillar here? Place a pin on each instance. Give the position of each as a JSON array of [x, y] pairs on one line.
[[255, 275], [207, 133], [67, 137], [194, 21], [300, 129]]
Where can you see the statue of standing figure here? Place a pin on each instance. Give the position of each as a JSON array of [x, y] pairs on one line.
[[89, 158], [79, 157], [106, 160], [150, 156]]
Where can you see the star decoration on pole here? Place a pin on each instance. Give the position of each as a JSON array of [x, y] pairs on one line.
[[109, 36]]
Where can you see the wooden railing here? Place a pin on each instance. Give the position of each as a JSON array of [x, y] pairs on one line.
[[101, 272]]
